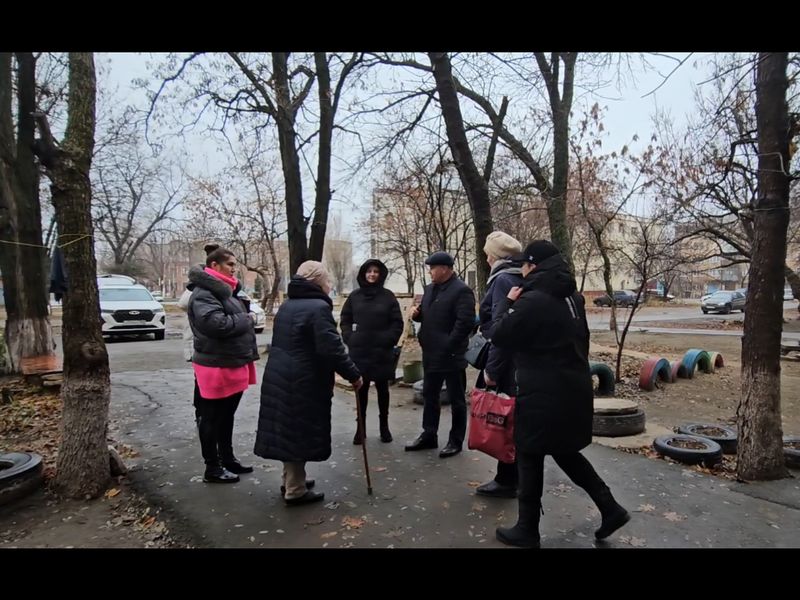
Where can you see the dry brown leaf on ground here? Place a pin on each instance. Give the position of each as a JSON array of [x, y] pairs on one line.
[[329, 535], [148, 522], [674, 517], [353, 522], [111, 493]]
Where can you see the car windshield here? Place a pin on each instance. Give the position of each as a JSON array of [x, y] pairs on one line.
[[720, 296], [124, 295]]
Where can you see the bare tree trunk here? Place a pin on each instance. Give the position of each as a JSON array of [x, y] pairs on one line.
[[83, 462], [27, 331], [285, 119], [471, 179], [323, 196], [276, 281], [794, 282], [560, 107], [760, 448]]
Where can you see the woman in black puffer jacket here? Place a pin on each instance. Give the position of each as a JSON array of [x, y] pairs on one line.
[[224, 351], [371, 327], [294, 423]]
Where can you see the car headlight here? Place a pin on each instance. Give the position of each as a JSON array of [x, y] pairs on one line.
[[159, 311]]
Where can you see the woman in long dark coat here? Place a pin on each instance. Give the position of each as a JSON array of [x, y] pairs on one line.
[[294, 422], [371, 327], [543, 323]]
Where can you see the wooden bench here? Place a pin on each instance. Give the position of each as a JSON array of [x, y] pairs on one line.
[[45, 370], [41, 365]]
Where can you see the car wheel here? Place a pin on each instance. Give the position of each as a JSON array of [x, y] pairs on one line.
[[20, 474], [689, 449], [724, 436], [159, 335], [791, 451], [705, 312], [728, 309], [618, 425]]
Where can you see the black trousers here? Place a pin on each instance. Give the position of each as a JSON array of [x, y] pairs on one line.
[[456, 388], [574, 464], [215, 425], [507, 474], [382, 387]]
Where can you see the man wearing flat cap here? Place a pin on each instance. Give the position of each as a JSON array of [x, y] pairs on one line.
[[447, 315]]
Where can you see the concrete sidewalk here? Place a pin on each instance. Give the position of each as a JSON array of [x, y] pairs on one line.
[[420, 500]]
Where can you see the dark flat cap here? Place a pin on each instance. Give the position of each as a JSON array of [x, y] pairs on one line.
[[440, 258]]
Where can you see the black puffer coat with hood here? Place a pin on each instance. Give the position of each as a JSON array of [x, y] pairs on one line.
[[372, 324], [547, 333]]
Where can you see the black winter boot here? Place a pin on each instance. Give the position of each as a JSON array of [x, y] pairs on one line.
[[386, 435], [614, 516], [525, 534], [383, 413]]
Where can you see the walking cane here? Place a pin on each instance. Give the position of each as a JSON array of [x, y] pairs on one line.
[[363, 437]]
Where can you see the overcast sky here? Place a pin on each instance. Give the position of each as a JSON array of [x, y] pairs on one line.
[[629, 110]]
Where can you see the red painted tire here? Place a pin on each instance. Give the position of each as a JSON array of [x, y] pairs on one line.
[[653, 369], [677, 370]]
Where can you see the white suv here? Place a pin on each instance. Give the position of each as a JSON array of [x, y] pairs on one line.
[[127, 308]]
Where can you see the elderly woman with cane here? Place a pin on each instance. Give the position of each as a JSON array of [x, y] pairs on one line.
[[294, 422]]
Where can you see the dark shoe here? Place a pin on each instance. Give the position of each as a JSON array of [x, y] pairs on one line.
[[614, 516], [611, 523], [423, 442], [357, 439], [235, 466], [386, 435], [309, 484], [525, 534], [517, 536], [496, 490], [219, 475], [306, 498], [449, 450]]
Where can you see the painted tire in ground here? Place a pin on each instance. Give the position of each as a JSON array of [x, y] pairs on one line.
[[618, 425], [717, 362], [444, 400], [605, 378], [709, 455], [677, 370], [727, 441], [695, 358], [652, 369], [791, 455], [20, 474]]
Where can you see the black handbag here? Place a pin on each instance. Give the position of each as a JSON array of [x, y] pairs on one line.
[[477, 351]]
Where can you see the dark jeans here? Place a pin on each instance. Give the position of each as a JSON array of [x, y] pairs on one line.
[[456, 388], [382, 387], [215, 425], [574, 464]]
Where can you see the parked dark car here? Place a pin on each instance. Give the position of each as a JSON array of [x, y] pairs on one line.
[[621, 298], [724, 302]]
